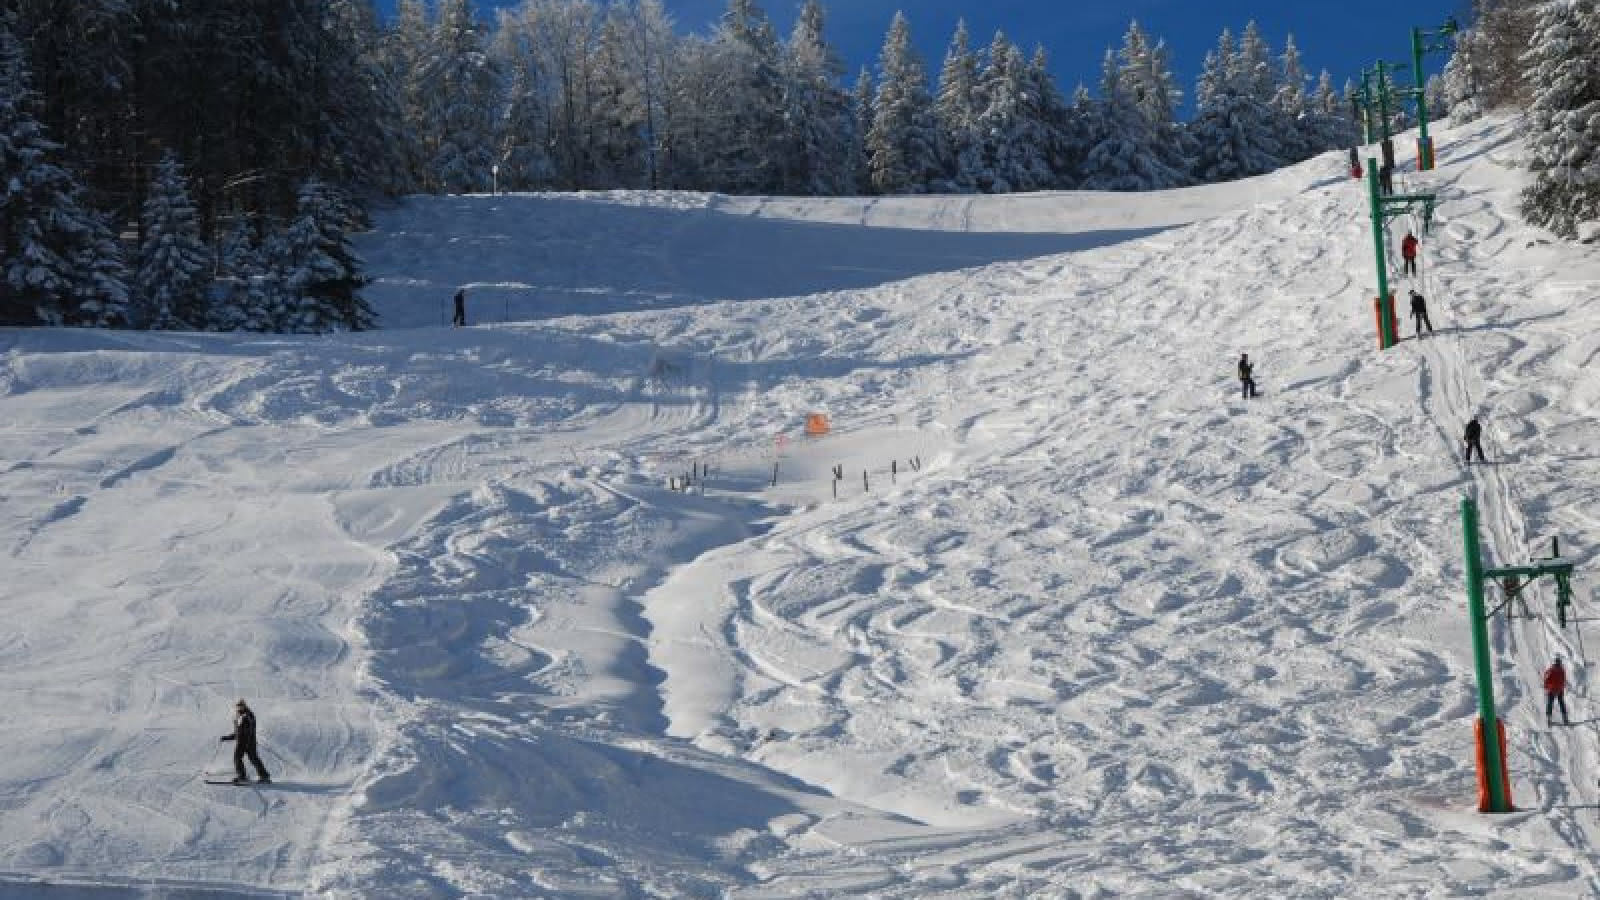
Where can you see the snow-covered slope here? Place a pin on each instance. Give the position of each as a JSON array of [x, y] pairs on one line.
[[1076, 621]]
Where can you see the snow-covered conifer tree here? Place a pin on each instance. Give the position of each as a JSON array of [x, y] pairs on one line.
[[903, 142], [459, 117], [58, 260], [405, 52], [1462, 77], [1564, 120], [1148, 83], [246, 297], [747, 155], [1000, 123], [956, 110], [173, 273], [861, 100], [1233, 129], [1049, 119], [319, 270], [1122, 157], [816, 111]]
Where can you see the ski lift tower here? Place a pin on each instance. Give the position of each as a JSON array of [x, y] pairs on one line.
[[1494, 786], [1420, 45], [1384, 208]]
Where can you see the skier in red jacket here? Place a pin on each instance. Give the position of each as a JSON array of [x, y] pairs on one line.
[[1555, 691], [1408, 252]]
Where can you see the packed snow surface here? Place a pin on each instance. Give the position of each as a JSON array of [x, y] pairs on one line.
[[1049, 612]]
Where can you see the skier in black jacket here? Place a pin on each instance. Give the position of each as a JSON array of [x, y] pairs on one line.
[[1247, 381], [244, 744], [1419, 313], [1474, 439]]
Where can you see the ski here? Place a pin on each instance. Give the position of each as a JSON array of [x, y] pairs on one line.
[[231, 783]]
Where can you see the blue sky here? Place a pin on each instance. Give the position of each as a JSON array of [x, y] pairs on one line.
[[1342, 37]]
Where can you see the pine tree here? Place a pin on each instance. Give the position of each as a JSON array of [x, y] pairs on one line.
[[405, 52], [459, 121], [1000, 118], [748, 153], [1563, 141], [1289, 103], [816, 111], [319, 271], [1463, 78], [861, 100], [1049, 120], [1328, 121], [1122, 156], [1234, 129], [1147, 82], [173, 274], [59, 264], [246, 294], [618, 113], [956, 110], [363, 145], [903, 142]]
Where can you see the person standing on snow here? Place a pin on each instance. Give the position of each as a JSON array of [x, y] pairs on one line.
[[1474, 439], [1555, 691], [244, 744], [1408, 253], [461, 308], [1247, 381], [1419, 313]]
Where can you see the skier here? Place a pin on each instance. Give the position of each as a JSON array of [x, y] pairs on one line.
[[1555, 692], [461, 308], [1247, 381], [1408, 252], [1355, 164], [1386, 179], [244, 744], [1474, 439], [1419, 313]]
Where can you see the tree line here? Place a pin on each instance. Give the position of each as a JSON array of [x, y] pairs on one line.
[[199, 165]]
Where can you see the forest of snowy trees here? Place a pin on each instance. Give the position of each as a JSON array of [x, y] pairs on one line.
[[199, 165]]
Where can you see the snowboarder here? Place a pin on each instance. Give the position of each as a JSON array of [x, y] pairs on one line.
[[1355, 164], [1474, 439], [1386, 179], [244, 744], [461, 308], [1419, 313], [1555, 692], [1247, 381], [1408, 252]]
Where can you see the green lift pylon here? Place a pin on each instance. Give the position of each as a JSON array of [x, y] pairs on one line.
[[1384, 208], [1419, 46], [1494, 786], [1494, 791]]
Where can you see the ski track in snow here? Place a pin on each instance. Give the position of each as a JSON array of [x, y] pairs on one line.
[[1079, 622]]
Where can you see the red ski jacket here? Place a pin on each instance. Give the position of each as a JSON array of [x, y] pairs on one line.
[[1555, 680], [1408, 247]]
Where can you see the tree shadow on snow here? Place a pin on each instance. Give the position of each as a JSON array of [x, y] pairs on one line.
[[530, 257]]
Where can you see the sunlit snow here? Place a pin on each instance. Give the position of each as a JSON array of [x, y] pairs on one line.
[[1076, 620]]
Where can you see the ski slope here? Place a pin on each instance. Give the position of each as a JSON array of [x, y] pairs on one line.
[[1076, 621]]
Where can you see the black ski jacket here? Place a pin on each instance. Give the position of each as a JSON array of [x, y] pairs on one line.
[[244, 729]]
